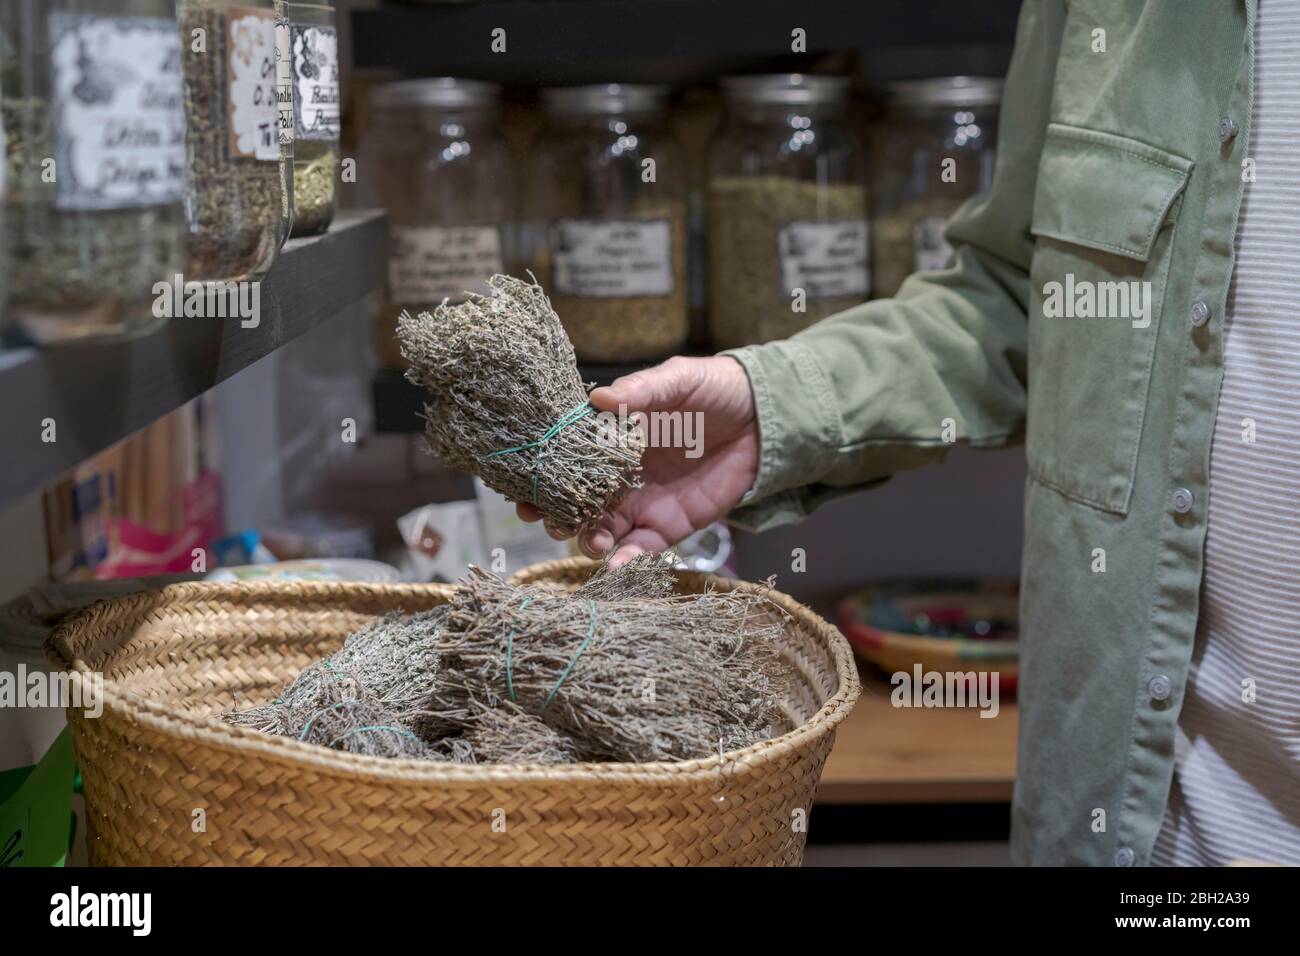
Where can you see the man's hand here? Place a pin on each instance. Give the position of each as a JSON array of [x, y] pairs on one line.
[[679, 495]]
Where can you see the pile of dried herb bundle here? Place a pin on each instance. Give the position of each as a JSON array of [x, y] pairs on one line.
[[507, 404], [621, 669]]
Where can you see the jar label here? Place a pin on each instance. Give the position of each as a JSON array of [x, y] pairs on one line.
[[824, 259], [284, 79], [119, 117], [930, 251], [432, 263], [316, 76], [254, 103], [608, 258]]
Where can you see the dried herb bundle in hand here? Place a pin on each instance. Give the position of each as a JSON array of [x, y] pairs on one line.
[[507, 404]]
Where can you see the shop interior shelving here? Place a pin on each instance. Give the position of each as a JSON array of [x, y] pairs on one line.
[[677, 41], [99, 394], [889, 755]]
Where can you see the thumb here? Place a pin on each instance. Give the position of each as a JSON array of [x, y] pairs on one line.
[[664, 386]]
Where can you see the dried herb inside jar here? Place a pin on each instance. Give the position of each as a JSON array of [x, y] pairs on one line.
[[76, 273], [619, 284], [772, 238], [313, 178], [907, 239], [236, 204]]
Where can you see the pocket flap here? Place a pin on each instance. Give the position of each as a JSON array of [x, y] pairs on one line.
[[1105, 191]]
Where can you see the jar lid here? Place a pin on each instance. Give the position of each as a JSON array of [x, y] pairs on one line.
[[440, 91], [789, 89], [946, 91], [604, 98]]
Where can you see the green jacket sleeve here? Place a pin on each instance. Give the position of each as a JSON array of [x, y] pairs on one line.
[[868, 392]]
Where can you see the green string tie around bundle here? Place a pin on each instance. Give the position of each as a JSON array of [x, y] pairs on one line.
[[510, 663], [568, 418], [494, 367]]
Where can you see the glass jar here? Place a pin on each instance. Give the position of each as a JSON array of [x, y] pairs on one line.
[[933, 150], [284, 105], [95, 158], [315, 50], [606, 221], [787, 208], [236, 201], [5, 54], [444, 174]]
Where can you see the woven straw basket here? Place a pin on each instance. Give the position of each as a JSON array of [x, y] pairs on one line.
[[173, 659]]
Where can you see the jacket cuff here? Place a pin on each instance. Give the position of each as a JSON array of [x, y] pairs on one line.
[[799, 427]]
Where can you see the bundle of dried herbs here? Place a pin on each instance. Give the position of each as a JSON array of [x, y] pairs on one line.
[[507, 404], [362, 699], [622, 669]]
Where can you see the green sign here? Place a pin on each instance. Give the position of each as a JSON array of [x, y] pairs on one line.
[[36, 808]]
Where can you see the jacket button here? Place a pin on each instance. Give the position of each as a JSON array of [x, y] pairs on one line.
[[1200, 313], [1124, 856], [1159, 687], [1183, 501], [1227, 129]]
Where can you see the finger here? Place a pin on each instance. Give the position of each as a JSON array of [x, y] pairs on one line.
[[637, 541], [527, 512], [558, 533], [655, 387], [617, 522], [596, 543], [624, 554]]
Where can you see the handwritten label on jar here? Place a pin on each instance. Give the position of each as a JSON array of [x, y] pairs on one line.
[[254, 103], [825, 259], [612, 258], [284, 78], [427, 264], [930, 250], [316, 75], [119, 119]]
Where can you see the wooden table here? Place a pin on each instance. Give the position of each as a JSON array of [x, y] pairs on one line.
[[887, 754]]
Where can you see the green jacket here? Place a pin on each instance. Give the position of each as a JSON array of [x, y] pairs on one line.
[[1117, 166]]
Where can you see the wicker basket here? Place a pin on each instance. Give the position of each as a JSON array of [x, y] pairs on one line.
[[167, 783]]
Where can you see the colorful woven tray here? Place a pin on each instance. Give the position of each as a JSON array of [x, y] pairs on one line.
[[967, 624]]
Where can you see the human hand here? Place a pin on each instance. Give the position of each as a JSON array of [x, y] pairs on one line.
[[679, 494]]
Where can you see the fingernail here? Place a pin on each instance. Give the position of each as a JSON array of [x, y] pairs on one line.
[[597, 543]]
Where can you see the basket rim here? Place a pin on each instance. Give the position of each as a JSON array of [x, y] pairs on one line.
[[287, 752]]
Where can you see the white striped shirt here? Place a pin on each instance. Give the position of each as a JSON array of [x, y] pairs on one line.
[[1236, 788]]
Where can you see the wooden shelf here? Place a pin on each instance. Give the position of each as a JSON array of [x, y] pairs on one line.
[[100, 394], [887, 754], [678, 41]]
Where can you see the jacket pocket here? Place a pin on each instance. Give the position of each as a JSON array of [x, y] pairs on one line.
[[1105, 210]]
